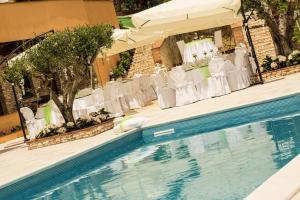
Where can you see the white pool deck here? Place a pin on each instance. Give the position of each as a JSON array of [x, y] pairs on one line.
[[19, 162]]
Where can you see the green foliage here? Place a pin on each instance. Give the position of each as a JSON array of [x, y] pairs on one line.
[[125, 22], [118, 72], [267, 64], [65, 56], [123, 65], [125, 60], [294, 58], [133, 6], [280, 17], [15, 71], [70, 48], [276, 62], [81, 123]]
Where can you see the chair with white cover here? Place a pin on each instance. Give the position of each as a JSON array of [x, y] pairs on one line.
[[166, 96], [235, 77], [33, 125], [185, 91], [56, 116], [181, 45], [115, 98], [200, 83], [142, 88], [217, 83], [133, 96], [243, 63], [98, 98]]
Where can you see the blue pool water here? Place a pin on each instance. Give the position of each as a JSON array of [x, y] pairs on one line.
[[227, 164]]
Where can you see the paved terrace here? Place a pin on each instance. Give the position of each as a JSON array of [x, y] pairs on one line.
[[19, 161]]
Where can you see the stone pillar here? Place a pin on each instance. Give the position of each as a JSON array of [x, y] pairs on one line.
[[238, 33], [143, 62], [262, 39]]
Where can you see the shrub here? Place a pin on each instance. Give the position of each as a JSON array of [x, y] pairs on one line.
[[294, 58], [123, 65], [277, 62], [81, 123]]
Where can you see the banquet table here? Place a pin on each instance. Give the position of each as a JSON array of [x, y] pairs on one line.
[[198, 48]]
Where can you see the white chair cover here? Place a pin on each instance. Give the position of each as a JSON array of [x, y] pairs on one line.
[[79, 108], [181, 45], [56, 116], [200, 83], [235, 77], [243, 63], [185, 91], [217, 83], [145, 85], [166, 96], [98, 98], [134, 97], [33, 126], [114, 95]]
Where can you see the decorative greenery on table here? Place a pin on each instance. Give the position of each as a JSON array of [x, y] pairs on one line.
[[81, 123], [277, 62]]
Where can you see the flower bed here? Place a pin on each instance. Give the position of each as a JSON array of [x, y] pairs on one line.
[[71, 136], [279, 62]]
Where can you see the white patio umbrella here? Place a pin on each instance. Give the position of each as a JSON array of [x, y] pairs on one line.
[[182, 16], [126, 39]]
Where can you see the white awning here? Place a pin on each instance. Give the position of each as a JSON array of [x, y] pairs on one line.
[[182, 16], [126, 39]]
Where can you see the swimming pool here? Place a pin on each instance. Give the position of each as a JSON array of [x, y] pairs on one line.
[[228, 163]]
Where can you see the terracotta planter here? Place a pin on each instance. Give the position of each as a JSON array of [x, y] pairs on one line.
[[71, 136]]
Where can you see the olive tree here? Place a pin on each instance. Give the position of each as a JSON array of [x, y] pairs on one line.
[[280, 16], [64, 57]]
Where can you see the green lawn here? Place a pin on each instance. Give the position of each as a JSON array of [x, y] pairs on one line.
[[125, 22]]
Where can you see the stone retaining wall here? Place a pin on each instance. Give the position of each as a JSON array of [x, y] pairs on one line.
[[281, 72], [70, 136]]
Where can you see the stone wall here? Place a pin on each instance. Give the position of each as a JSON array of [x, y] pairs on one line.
[[280, 72], [7, 98], [143, 62], [262, 39], [71, 136], [170, 54]]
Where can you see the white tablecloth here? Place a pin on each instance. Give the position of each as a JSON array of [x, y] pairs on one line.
[[199, 48]]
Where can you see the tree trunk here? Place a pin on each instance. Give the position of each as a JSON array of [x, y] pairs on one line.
[[281, 42], [64, 108], [282, 45]]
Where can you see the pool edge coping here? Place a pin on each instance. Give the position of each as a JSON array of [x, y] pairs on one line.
[[118, 137], [220, 111], [122, 135]]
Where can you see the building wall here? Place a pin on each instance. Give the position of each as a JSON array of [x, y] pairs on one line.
[[24, 20], [103, 67]]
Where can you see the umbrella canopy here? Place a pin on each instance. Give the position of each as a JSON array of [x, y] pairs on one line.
[[182, 16], [126, 39]]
